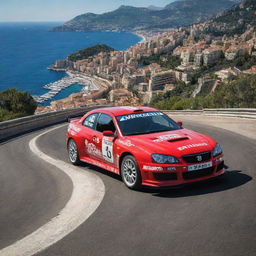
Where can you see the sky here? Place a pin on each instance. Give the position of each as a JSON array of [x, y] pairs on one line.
[[63, 10]]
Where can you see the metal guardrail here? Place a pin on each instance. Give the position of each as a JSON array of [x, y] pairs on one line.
[[23, 125], [184, 112], [228, 112]]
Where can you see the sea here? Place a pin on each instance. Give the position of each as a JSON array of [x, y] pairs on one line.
[[27, 49]]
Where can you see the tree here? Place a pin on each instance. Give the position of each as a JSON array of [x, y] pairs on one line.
[[91, 51], [15, 104]]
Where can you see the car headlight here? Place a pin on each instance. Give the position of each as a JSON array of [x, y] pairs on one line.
[[217, 150], [164, 159]]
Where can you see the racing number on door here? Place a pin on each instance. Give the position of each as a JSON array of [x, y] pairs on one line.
[[107, 150]]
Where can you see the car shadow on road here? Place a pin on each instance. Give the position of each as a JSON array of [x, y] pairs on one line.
[[231, 179], [97, 169]]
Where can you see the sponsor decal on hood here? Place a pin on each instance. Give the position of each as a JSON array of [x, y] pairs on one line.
[[192, 146], [168, 137]]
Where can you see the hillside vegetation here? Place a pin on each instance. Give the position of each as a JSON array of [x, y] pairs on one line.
[[240, 93], [91, 51], [14, 104], [234, 21], [166, 61]]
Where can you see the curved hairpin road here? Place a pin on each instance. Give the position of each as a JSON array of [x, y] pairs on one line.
[[212, 218]]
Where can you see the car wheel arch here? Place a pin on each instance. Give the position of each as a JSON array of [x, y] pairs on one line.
[[75, 140], [69, 138], [123, 155], [138, 180]]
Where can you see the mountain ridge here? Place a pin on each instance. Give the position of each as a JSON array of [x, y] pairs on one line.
[[243, 14], [129, 18]]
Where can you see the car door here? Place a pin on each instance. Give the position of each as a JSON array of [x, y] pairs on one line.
[[88, 135], [105, 144]]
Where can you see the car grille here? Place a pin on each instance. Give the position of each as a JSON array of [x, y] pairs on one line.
[[220, 166], [198, 173], [165, 176], [196, 158]]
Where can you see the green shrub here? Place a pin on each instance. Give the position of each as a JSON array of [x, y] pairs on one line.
[[166, 60], [15, 104]]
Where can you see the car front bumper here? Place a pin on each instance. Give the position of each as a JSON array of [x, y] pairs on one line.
[[164, 176]]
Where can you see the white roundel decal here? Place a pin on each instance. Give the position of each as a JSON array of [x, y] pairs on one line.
[[107, 150]]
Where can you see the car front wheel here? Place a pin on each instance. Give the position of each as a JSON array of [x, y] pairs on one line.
[[73, 152], [130, 172]]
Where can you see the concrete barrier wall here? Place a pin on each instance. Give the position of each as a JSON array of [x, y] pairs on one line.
[[23, 125]]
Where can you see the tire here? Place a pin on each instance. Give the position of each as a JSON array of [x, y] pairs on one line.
[[130, 172], [73, 154]]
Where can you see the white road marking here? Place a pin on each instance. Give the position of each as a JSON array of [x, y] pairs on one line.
[[88, 192]]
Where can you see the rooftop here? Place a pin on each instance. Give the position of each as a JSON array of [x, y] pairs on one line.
[[126, 110]]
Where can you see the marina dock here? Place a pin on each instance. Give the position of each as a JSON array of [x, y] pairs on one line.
[[89, 84]]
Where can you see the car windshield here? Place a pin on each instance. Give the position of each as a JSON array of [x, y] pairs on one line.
[[145, 123]]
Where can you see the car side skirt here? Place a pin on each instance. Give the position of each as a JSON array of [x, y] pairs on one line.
[[100, 164]]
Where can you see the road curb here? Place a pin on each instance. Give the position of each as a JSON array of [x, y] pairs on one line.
[[88, 192]]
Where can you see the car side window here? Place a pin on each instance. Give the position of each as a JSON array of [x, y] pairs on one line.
[[90, 121], [105, 123]]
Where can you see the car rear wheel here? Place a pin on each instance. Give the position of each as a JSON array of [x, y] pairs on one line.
[[130, 172], [73, 152]]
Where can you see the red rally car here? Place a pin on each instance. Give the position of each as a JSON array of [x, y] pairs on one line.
[[144, 146]]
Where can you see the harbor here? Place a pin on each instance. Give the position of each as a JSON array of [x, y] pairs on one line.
[[88, 82]]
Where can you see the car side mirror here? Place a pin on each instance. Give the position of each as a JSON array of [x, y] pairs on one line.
[[109, 134], [179, 123]]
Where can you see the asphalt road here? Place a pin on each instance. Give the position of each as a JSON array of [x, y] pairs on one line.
[[31, 192], [212, 218]]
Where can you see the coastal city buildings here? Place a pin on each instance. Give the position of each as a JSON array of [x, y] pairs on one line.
[[123, 81]]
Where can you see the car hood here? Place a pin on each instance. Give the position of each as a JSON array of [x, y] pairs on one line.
[[176, 143]]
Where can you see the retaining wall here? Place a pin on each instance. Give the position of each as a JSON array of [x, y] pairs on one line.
[[23, 125]]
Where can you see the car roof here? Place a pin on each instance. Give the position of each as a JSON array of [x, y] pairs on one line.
[[119, 111]]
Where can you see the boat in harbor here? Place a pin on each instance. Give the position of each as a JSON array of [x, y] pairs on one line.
[[55, 87]]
